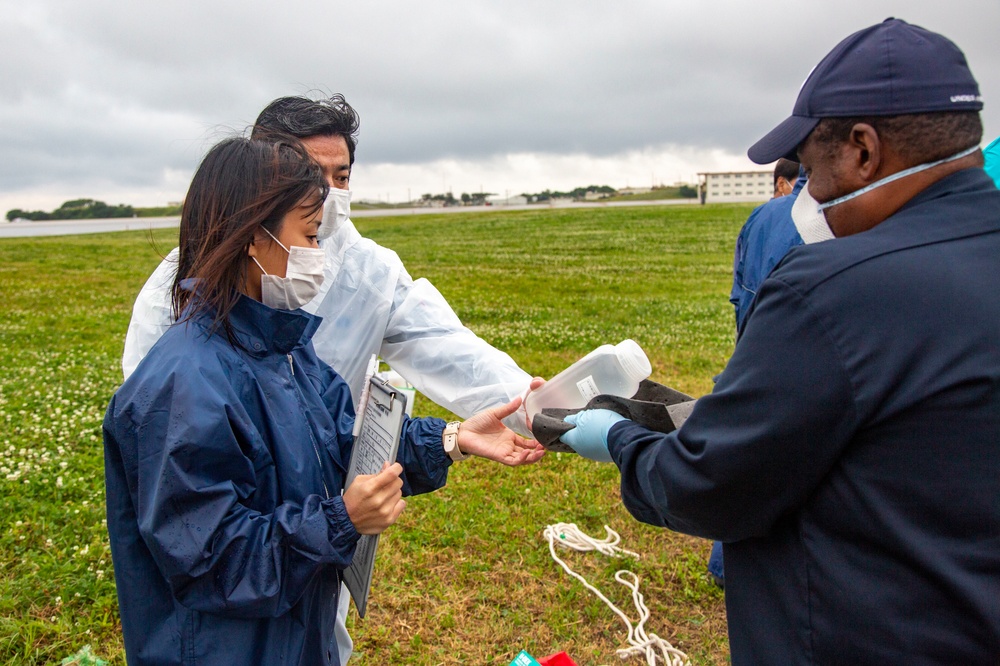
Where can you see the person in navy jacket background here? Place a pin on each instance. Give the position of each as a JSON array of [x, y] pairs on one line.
[[849, 454], [226, 450], [764, 240]]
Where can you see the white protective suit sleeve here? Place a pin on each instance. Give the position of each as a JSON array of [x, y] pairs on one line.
[[151, 314], [370, 304], [454, 367]]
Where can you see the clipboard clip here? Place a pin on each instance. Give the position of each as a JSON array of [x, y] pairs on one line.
[[389, 388]]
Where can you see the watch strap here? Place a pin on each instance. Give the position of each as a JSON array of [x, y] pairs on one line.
[[450, 441]]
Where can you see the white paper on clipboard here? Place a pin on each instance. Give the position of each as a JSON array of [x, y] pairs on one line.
[[377, 442]]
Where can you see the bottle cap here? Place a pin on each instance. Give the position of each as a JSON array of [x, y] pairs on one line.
[[633, 360]]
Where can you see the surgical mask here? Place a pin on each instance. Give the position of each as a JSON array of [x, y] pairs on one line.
[[896, 176], [335, 213], [809, 219], [304, 276]]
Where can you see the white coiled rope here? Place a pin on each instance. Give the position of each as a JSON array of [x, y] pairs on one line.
[[568, 535]]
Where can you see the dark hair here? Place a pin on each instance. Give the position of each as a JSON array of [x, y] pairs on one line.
[[241, 185], [786, 169], [302, 117], [916, 137]]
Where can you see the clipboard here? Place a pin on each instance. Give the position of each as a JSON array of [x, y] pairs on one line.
[[381, 418]]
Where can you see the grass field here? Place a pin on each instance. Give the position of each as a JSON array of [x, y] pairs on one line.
[[465, 575]]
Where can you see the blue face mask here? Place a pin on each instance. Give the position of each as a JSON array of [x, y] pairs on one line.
[[896, 176]]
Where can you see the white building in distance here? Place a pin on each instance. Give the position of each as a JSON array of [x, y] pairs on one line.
[[512, 200], [635, 190], [736, 186]]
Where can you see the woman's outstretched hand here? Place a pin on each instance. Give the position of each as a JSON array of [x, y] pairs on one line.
[[485, 436]]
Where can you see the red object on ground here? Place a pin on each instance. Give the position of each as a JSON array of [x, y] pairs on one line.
[[557, 659]]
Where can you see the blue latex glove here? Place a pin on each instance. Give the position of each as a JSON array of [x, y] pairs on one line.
[[590, 436]]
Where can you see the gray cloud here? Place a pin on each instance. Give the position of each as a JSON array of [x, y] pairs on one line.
[[123, 93]]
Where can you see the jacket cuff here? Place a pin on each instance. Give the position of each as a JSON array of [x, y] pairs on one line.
[[617, 439], [342, 530], [436, 453]]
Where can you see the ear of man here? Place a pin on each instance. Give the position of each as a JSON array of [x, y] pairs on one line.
[[871, 151]]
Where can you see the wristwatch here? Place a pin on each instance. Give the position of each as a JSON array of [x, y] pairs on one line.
[[450, 438]]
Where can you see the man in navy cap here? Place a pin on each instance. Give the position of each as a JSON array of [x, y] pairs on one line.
[[849, 456]]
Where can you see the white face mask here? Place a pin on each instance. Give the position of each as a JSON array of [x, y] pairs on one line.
[[809, 219], [335, 213], [304, 276]]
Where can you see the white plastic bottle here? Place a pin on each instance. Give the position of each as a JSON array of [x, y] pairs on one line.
[[609, 369]]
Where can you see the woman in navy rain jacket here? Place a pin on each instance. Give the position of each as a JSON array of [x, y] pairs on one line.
[[226, 450]]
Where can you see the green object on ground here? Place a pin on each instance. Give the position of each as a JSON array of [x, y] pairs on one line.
[[85, 657]]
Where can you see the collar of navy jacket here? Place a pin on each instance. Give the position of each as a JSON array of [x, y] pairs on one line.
[[263, 330]]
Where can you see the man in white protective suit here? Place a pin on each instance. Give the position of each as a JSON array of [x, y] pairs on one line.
[[368, 302]]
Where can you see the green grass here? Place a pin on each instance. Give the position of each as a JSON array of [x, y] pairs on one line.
[[465, 576]]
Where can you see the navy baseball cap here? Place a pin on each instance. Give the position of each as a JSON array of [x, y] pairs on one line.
[[889, 69]]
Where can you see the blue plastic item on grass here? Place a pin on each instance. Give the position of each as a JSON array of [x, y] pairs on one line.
[[524, 659]]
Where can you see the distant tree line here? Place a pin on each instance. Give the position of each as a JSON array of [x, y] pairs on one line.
[[448, 199], [578, 193], [475, 198], [77, 209]]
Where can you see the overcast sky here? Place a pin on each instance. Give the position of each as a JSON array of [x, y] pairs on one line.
[[118, 101]]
